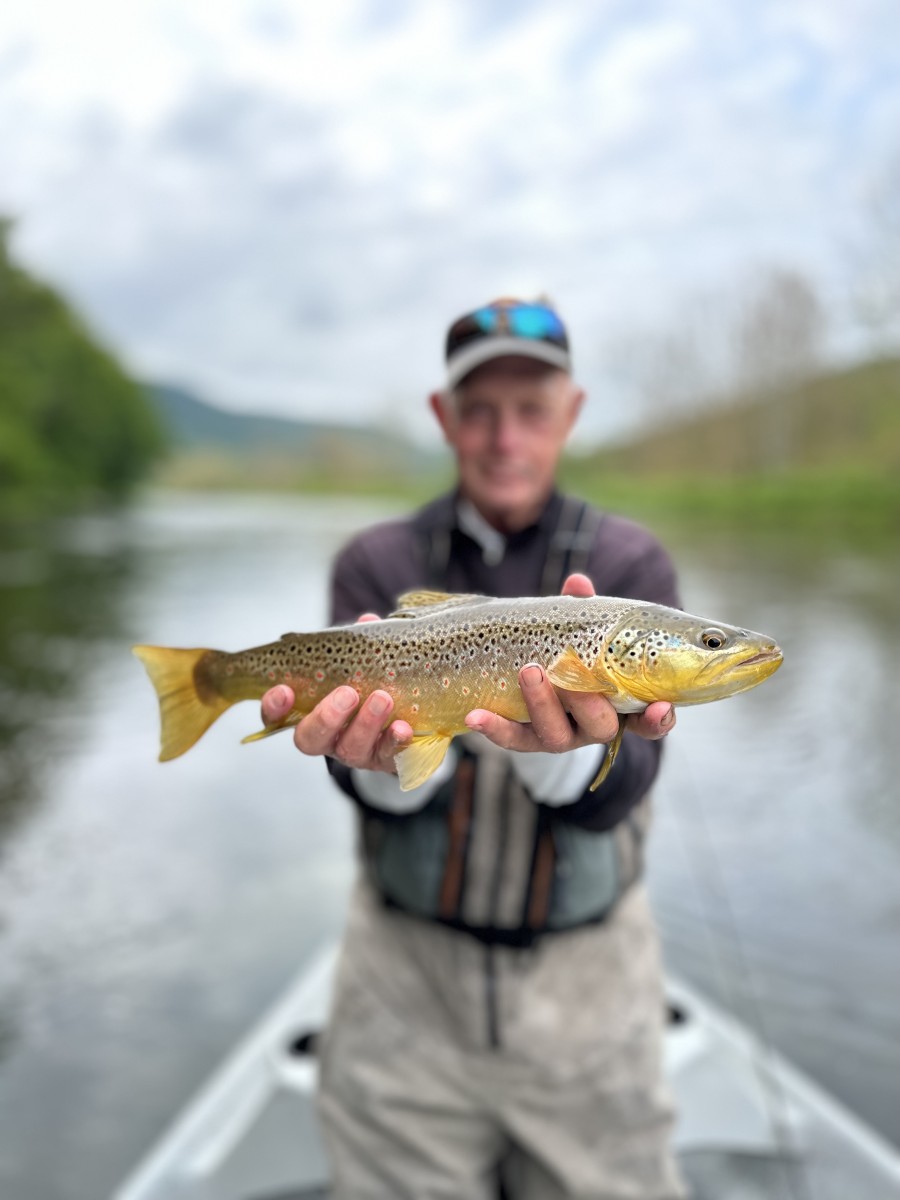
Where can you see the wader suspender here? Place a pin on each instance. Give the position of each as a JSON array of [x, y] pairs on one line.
[[570, 547]]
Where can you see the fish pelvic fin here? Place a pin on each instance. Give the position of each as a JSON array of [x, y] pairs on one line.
[[571, 672], [188, 701], [609, 757], [420, 759]]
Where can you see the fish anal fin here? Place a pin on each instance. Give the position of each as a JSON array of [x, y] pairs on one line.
[[571, 672], [414, 604], [288, 721], [609, 757], [420, 759]]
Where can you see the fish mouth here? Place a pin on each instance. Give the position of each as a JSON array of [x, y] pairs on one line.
[[773, 654]]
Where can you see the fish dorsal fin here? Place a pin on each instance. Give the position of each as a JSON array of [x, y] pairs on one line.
[[420, 759], [571, 672], [416, 604]]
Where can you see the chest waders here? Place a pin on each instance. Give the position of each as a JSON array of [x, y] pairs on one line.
[[482, 856]]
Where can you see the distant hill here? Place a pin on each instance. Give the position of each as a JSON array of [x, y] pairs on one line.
[[846, 420], [192, 423], [212, 447]]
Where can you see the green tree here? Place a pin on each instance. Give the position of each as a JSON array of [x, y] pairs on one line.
[[72, 423]]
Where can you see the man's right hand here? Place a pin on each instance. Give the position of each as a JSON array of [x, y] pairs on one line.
[[362, 740]]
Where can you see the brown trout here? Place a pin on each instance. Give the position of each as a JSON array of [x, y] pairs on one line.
[[440, 656]]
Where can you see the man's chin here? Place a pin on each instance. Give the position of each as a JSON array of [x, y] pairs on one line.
[[508, 500]]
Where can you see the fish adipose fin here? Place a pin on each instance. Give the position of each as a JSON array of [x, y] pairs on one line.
[[412, 604], [571, 672], [420, 759], [187, 708]]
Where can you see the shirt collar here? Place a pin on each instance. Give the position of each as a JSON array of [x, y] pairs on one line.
[[491, 542]]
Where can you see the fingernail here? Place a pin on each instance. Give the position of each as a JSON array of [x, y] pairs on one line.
[[668, 720], [344, 699], [532, 676], [379, 705], [281, 696]]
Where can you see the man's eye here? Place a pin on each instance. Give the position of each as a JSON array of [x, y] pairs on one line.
[[475, 412]]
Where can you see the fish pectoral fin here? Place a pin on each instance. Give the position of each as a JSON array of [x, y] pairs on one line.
[[420, 759], [609, 757], [411, 604], [570, 671]]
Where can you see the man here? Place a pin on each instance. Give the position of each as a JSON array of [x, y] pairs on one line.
[[498, 1008]]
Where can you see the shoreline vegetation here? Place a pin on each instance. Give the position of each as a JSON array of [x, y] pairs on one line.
[[825, 505]]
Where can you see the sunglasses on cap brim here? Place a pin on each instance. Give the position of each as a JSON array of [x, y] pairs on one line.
[[533, 321]]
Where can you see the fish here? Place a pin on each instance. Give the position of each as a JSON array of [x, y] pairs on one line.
[[442, 655]]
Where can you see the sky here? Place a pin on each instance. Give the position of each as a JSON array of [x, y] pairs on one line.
[[283, 205]]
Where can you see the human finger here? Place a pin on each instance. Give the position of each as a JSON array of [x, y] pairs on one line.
[[508, 735], [548, 717], [559, 720], [276, 703], [594, 717], [319, 730], [388, 745], [367, 617], [361, 744], [654, 722], [578, 585]]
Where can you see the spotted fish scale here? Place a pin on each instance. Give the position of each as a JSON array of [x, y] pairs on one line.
[[440, 656]]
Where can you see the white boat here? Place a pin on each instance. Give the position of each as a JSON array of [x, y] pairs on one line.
[[750, 1125]]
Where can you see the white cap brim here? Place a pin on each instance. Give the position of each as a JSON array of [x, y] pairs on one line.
[[484, 349]]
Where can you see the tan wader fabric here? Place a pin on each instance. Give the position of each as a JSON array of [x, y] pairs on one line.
[[418, 1102]]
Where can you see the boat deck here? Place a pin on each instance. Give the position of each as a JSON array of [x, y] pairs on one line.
[[750, 1126]]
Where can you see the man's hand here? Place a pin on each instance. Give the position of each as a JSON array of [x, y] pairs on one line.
[[563, 720], [359, 740]]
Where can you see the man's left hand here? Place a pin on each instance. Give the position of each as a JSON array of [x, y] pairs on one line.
[[563, 720]]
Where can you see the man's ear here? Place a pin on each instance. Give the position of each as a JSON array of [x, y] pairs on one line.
[[577, 400], [440, 406]]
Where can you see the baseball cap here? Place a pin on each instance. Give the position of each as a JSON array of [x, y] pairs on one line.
[[506, 326]]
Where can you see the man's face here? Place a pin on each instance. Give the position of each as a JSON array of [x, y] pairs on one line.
[[507, 423]]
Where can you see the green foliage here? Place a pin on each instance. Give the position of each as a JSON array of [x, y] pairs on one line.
[[821, 458], [72, 424]]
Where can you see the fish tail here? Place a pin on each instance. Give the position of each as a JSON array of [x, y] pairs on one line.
[[188, 700]]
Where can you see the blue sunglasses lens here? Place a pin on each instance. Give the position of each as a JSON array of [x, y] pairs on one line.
[[532, 321]]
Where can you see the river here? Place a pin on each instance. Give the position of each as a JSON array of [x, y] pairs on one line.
[[149, 913]]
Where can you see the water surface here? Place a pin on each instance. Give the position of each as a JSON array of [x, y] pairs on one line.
[[149, 912]]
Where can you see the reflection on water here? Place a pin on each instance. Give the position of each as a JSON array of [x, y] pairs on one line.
[[777, 844], [148, 912], [56, 600]]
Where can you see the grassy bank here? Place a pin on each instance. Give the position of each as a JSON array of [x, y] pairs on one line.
[[842, 504], [838, 505]]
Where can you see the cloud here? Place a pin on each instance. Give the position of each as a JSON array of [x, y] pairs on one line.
[[285, 204]]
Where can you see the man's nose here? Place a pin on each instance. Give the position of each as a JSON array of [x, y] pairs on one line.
[[506, 431]]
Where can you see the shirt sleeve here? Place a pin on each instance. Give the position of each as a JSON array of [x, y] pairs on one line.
[[557, 779], [382, 791]]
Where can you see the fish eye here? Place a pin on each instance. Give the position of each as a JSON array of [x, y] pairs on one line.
[[713, 639]]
